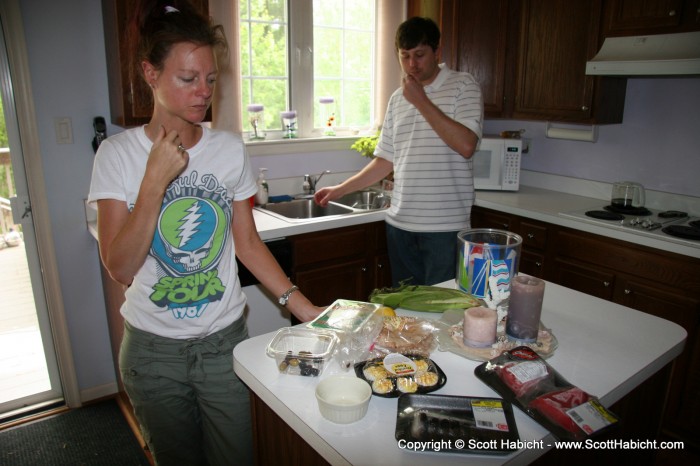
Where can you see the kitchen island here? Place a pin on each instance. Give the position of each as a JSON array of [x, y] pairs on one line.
[[604, 348]]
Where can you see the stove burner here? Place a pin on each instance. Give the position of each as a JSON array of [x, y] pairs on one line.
[[604, 215], [673, 214], [682, 231], [639, 211]]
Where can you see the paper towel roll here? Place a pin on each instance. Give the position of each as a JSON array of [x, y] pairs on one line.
[[586, 135]]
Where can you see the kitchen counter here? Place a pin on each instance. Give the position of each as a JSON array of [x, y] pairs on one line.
[[597, 352], [531, 202]]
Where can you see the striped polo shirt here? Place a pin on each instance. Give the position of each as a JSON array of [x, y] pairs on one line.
[[433, 184]]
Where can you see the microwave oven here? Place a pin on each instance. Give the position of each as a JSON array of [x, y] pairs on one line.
[[496, 164]]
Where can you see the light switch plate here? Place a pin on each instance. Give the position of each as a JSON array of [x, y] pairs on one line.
[[64, 130]]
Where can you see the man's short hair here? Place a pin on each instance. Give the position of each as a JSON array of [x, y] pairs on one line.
[[417, 31]]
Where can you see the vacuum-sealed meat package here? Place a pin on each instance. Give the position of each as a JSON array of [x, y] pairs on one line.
[[522, 377]]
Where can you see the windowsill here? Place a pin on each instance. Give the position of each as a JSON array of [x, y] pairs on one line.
[[293, 146]]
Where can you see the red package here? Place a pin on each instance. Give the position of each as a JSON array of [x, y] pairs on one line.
[[554, 406], [523, 377]]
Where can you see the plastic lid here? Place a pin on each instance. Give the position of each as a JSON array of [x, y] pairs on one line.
[[326, 100], [255, 108]]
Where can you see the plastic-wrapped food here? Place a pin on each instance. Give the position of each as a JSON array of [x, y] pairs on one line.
[[522, 377], [402, 334], [395, 374]]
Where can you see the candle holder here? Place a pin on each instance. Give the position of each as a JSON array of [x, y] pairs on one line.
[[289, 124], [256, 118], [487, 262], [328, 115]]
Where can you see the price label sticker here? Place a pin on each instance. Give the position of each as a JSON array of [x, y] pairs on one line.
[[489, 414]]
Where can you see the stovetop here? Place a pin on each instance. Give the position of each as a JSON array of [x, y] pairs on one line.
[[654, 223]]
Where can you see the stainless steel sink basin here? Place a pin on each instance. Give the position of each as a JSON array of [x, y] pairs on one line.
[[363, 200], [304, 210]]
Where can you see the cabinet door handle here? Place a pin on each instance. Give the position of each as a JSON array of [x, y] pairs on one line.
[[538, 264], [506, 226], [628, 291], [672, 13], [379, 266], [584, 108], [530, 236], [363, 269], [606, 284]]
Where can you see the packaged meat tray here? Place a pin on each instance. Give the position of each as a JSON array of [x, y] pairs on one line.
[[522, 377], [484, 426]]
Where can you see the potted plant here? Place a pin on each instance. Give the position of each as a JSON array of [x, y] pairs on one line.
[[365, 145]]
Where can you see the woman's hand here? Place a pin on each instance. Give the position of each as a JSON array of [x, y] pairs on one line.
[[167, 158]]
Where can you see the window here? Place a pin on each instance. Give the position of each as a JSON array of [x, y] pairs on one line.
[[294, 53]]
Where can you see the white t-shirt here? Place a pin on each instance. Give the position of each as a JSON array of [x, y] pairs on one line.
[[433, 184], [188, 286]]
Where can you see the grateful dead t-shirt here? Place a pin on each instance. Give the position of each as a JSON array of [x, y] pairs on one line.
[[188, 286]]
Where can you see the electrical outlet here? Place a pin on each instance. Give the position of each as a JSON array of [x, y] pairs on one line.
[[527, 145]]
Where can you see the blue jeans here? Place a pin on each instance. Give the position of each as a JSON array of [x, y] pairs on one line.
[[421, 258], [191, 406]]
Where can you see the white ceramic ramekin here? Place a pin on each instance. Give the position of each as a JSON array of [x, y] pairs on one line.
[[343, 399]]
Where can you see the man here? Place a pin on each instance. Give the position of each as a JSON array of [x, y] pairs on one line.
[[430, 131]]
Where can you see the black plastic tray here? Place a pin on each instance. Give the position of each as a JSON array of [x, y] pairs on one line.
[[442, 378], [423, 418]]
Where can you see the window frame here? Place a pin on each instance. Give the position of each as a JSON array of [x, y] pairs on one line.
[[301, 91]]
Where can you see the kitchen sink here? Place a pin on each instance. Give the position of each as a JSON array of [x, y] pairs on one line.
[[363, 200], [301, 210]]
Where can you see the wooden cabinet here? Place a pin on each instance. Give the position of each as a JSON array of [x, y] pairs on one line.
[[475, 34], [343, 263], [130, 99], [533, 232], [634, 17], [530, 58]]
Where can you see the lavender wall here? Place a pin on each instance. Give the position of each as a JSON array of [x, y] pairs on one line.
[[657, 144]]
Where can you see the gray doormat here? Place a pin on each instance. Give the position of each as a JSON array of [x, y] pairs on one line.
[[92, 435]]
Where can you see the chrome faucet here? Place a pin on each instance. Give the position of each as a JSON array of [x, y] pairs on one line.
[[310, 182]]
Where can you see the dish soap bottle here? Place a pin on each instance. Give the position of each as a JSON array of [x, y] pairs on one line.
[[262, 195]]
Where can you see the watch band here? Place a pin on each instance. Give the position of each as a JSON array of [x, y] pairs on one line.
[[284, 299]]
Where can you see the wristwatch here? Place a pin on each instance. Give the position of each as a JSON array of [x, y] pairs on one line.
[[284, 299]]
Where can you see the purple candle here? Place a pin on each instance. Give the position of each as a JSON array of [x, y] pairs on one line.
[[525, 308]]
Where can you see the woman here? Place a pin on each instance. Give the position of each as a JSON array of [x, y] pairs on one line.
[[172, 200]]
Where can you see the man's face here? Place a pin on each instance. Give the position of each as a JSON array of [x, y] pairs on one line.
[[420, 62]]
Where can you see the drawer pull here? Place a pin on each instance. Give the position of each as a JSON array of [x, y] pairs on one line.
[[672, 13], [538, 264], [530, 235], [363, 269], [606, 284], [379, 266], [628, 291]]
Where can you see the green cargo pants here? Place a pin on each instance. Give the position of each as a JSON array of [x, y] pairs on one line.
[[192, 408]]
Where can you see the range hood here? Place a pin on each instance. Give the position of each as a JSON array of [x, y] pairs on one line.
[[654, 55]]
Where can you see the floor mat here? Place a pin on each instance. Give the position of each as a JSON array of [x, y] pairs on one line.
[[92, 435]]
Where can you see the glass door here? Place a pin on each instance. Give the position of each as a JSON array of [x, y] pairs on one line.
[[29, 375]]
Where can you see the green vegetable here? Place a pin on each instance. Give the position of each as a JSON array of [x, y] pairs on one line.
[[424, 298]]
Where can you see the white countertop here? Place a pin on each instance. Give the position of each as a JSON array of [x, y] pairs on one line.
[[604, 348], [531, 202]]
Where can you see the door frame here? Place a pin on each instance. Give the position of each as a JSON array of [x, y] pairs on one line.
[[22, 98]]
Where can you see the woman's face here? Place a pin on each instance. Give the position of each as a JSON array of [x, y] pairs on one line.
[[185, 86]]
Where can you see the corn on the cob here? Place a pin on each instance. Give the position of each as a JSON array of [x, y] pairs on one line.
[[423, 298]]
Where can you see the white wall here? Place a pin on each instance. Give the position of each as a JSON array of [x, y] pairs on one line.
[[657, 144]]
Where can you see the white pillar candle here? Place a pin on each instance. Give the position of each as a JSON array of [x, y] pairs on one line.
[[480, 327]]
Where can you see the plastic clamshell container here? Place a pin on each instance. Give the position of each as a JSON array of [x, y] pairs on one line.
[[301, 351], [347, 316]]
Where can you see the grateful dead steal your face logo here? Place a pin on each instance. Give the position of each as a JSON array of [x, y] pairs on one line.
[[188, 245]]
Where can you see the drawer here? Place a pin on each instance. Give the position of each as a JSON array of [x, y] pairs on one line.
[[534, 235]]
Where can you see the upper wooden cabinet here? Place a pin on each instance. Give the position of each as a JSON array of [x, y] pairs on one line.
[[634, 17], [130, 99], [529, 56]]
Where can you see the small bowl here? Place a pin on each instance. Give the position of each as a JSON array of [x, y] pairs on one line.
[[343, 399]]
